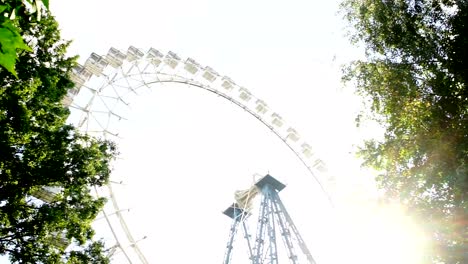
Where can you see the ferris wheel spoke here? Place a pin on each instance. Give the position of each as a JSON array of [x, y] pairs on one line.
[[117, 76], [112, 230]]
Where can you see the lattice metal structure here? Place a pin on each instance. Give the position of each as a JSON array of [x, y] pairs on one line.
[[105, 86], [238, 215], [273, 222]]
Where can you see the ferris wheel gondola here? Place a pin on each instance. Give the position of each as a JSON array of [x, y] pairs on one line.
[[105, 85]]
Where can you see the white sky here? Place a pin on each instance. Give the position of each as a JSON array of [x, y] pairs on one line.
[[185, 151]]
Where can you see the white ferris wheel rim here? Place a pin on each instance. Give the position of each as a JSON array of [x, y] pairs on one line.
[[163, 69]]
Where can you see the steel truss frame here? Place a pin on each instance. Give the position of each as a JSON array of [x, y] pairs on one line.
[[273, 221]]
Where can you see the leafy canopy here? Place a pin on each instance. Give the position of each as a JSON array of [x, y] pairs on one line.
[[414, 82], [38, 149], [11, 40]]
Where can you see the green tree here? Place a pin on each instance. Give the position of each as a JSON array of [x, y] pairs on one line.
[[11, 41], [38, 149], [414, 82]]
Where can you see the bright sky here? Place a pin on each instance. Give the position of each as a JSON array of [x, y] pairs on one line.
[[185, 151]]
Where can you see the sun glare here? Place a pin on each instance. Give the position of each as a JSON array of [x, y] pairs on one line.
[[381, 234]]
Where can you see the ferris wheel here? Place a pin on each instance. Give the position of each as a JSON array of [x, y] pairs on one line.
[[104, 88]]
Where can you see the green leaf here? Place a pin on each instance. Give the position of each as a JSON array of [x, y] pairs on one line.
[[3, 8], [8, 53], [10, 41], [46, 3]]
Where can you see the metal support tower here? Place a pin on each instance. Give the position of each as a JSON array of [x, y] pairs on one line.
[[273, 221], [238, 215]]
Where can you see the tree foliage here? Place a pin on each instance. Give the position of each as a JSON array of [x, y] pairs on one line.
[[38, 149], [414, 81], [11, 41]]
